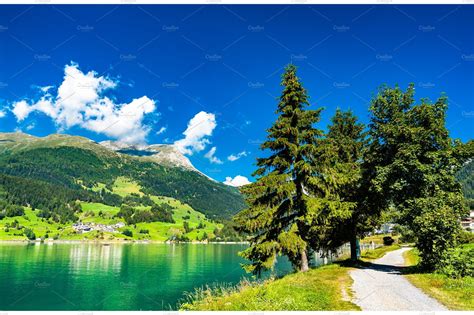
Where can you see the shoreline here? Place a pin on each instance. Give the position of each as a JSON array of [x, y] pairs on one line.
[[110, 242]]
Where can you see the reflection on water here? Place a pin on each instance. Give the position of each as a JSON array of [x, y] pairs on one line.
[[96, 257], [115, 276], [112, 277]]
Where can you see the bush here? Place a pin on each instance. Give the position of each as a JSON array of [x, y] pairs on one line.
[[458, 263], [436, 227], [180, 238], [465, 237], [186, 227], [29, 234], [388, 240], [144, 231], [128, 233], [201, 225], [406, 235], [14, 211], [157, 213]]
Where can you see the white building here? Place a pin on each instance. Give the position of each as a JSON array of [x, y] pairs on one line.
[[468, 222]]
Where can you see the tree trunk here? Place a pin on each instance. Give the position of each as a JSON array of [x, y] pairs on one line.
[[354, 248], [304, 261]]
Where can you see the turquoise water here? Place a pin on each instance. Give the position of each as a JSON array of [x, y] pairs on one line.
[[113, 277]]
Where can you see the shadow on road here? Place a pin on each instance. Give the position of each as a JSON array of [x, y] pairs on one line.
[[379, 267]]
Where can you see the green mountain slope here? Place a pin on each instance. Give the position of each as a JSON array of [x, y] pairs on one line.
[[52, 172]]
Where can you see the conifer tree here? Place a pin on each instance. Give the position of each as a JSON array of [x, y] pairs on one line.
[[278, 216], [345, 142]]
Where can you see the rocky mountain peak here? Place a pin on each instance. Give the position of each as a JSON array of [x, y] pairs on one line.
[[166, 154]]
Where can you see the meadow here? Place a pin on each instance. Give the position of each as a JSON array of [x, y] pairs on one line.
[[11, 228]]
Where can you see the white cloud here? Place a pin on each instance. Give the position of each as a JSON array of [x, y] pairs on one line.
[[45, 88], [79, 101], [235, 157], [237, 181], [21, 110], [195, 138], [2, 113], [162, 130], [31, 126], [210, 156]]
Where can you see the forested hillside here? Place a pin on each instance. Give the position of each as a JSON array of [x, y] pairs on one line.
[[51, 173]]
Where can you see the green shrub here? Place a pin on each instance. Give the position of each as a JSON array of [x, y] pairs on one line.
[[388, 240], [406, 235], [29, 234], [436, 228], [186, 227], [128, 233], [465, 237], [144, 231], [459, 262]]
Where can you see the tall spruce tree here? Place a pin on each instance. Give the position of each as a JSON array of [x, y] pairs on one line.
[[412, 163], [279, 216], [346, 141]]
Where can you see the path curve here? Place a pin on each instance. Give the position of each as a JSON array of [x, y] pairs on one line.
[[382, 287]]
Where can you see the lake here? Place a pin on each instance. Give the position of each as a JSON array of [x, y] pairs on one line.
[[113, 277]]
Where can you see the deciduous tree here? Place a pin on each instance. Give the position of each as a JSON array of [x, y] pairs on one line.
[[413, 162]]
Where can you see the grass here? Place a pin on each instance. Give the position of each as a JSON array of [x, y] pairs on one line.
[[456, 294], [325, 288], [411, 257], [108, 212], [99, 186], [320, 289], [378, 252], [39, 226], [124, 186], [378, 238]]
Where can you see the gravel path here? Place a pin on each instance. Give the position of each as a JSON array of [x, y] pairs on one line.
[[381, 287]]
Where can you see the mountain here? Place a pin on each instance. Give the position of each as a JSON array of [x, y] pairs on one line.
[[51, 172], [163, 154]]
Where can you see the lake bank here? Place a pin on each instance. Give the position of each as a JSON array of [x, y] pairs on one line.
[[107, 242], [326, 288], [323, 288]]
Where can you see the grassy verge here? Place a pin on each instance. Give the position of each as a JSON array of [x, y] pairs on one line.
[[456, 294], [320, 289], [378, 252], [411, 257]]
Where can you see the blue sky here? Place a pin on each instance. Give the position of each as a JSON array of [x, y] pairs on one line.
[[142, 73]]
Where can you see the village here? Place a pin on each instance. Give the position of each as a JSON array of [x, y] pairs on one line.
[[80, 227]]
